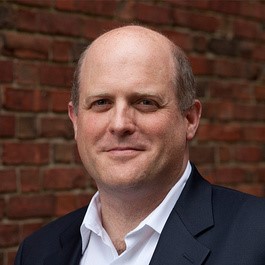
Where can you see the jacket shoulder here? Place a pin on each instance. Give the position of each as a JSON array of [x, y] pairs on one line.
[[59, 225], [47, 240], [245, 206]]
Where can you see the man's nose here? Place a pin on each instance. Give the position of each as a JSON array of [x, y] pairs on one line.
[[122, 121]]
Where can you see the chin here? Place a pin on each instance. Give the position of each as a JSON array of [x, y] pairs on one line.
[[121, 182]]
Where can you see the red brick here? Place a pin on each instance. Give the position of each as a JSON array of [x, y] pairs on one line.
[[181, 39], [248, 153], [220, 132], [26, 127], [202, 154], [64, 178], [26, 73], [230, 91], [60, 100], [63, 153], [228, 68], [226, 7], [93, 28], [25, 100], [226, 153], [253, 9], [56, 127], [30, 206], [127, 12], [253, 189], [202, 4], [223, 110], [246, 49], [38, 3], [26, 19], [10, 257], [103, 8], [7, 125], [247, 29], [152, 13], [77, 158], [59, 23], [70, 5], [54, 75], [229, 175], [201, 65], [30, 180], [228, 110], [83, 199], [249, 112], [2, 209], [259, 53], [196, 21], [26, 45], [260, 171], [65, 203], [25, 153], [260, 92], [7, 17], [2, 258], [6, 71], [223, 46], [62, 51], [9, 235], [29, 228], [8, 180], [107, 8], [254, 133], [200, 44]]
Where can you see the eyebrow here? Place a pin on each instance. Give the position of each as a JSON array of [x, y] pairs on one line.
[[100, 95], [132, 95]]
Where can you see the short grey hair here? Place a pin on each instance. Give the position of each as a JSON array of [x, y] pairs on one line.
[[76, 82], [184, 81]]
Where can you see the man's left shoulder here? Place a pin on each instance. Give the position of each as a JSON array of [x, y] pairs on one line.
[[244, 204]]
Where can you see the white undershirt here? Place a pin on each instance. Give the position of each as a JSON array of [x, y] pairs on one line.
[[98, 249]]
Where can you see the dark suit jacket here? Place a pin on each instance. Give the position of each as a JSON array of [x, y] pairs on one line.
[[208, 225]]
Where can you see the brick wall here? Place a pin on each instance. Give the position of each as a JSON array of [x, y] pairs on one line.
[[41, 176]]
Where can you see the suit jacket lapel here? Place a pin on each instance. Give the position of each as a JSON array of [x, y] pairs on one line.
[[191, 217], [70, 244]]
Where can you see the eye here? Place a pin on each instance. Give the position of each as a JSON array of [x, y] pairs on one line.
[[101, 105], [147, 105], [147, 102]]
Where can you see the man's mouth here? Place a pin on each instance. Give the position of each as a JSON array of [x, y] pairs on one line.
[[124, 151]]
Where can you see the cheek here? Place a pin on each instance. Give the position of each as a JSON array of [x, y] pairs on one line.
[[90, 128], [164, 127]]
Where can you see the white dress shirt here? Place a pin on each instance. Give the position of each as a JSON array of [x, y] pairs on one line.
[[98, 249]]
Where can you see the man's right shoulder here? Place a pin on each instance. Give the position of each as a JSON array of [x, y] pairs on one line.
[[56, 227]]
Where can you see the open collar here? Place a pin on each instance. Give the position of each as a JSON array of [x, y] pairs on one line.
[[191, 217]]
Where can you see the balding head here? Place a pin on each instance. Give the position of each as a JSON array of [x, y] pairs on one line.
[[134, 43]]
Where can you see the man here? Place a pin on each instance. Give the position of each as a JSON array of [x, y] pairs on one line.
[[134, 112]]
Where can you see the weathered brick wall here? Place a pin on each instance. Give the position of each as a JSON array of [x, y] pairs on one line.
[[41, 176]]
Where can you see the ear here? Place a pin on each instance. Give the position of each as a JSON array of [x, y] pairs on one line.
[[193, 116], [73, 116]]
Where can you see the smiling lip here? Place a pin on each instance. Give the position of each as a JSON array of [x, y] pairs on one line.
[[124, 151]]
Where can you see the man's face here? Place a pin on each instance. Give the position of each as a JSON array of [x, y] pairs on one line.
[[129, 130]]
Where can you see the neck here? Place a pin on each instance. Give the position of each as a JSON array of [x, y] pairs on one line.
[[122, 212]]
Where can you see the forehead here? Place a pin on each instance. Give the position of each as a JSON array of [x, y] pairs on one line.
[[130, 51]]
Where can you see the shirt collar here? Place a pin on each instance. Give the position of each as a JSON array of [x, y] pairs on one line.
[[156, 219]]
